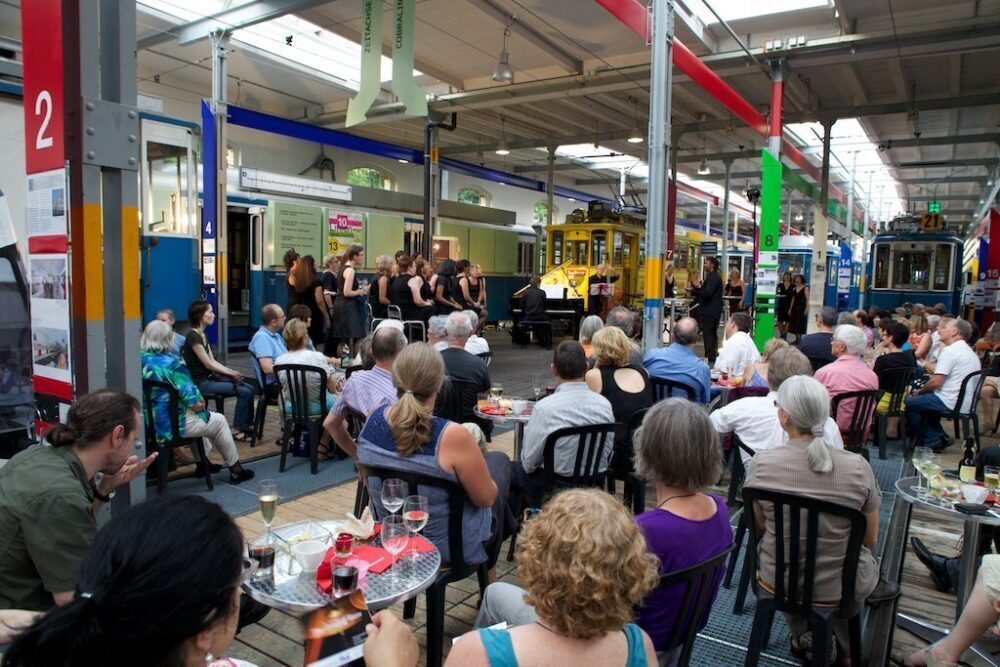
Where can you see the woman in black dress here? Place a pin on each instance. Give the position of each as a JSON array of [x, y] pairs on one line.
[[669, 282], [472, 288], [735, 289], [291, 260], [444, 288], [309, 292], [405, 292], [782, 294], [798, 307], [348, 324], [380, 289]]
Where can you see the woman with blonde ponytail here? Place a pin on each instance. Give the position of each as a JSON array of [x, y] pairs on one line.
[[409, 438], [808, 466]]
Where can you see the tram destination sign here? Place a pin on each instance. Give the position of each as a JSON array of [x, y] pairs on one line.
[[269, 181]]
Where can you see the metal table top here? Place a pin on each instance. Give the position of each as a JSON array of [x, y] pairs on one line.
[[906, 487], [295, 592]]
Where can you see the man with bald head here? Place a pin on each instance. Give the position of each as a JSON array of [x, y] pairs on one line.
[[679, 362]]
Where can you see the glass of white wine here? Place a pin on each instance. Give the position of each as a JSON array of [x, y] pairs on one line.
[[991, 479], [931, 469], [393, 495], [394, 537], [537, 384], [267, 495], [917, 459]]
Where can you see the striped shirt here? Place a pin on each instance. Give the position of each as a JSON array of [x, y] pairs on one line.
[[365, 391]]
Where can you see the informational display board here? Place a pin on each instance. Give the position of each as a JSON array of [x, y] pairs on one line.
[[709, 248], [299, 227], [344, 229], [769, 231]]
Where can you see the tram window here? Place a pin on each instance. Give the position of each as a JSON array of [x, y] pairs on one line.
[[600, 248], [618, 252], [912, 270], [167, 204], [557, 248], [577, 252], [627, 249], [681, 260], [832, 270], [881, 267], [942, 267], [525, 257]]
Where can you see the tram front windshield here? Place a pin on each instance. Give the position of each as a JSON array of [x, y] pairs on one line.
[[912, 270]]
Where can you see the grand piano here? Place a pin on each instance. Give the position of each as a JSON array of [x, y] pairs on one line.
[[557, 306]]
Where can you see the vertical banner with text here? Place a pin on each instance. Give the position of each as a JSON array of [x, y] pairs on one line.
[[371, 63], [47, 206], [769, 231]]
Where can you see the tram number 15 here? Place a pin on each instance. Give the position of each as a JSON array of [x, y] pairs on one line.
[[43, 99]]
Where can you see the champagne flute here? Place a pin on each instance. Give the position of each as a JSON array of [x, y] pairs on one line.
[[537, 384], [267, 495], [415, 515], [917, 459], [395, 535], [393, 495]]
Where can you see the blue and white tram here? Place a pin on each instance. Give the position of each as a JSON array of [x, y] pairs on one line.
[[915, 266]]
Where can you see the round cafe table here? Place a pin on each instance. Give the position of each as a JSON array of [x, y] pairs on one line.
[[519, 420], [296, 592], [906, 487]]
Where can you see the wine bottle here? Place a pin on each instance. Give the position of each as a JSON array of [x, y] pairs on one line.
[[967, 467]]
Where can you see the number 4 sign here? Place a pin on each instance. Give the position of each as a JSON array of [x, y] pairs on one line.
[[43, 85]]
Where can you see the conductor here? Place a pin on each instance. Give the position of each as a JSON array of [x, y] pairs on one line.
[[709, 295]]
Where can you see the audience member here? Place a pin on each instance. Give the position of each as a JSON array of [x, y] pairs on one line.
[[408, 437], [895, 335], [679, 362], [755, 375], [624, 319], [818, 346], [366, 390], [296, 336], [209, 375], [754, 419], [739, 350], [862, 318], [920, 337], [267, 345], [934, 326], [625, 386], [405, 292], [49, 497], [141, 600], [390, 642], [167, 315], [437, 337], [940, 393], [848, 372], [847, 317], [688, 525], [194, 420], [467, 367], [709, 295], [301, 312], [572, 404], [808, 466], [577, 602], [590, 325], [475, 344]]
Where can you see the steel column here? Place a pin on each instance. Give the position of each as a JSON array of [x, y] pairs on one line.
[[708, 218], [217, 294], [549, 203], [849, 216], [672, 199], [724, 268], [659, 133], [817, 277], [866, 234], [431, 175]]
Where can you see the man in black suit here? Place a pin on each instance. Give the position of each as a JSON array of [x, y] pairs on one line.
[[709, 295], [533, 308]]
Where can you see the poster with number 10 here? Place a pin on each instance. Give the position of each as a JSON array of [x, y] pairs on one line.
[[345, 228]]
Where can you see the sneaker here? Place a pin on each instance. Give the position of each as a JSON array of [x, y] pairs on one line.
[[241, 475]]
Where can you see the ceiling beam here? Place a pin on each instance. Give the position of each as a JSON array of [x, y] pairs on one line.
[[946, 164], [517, 25], [968, 197], [931, 180], [234, 18]]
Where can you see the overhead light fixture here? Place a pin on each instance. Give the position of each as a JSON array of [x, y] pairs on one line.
[[402, 161], [503, 73], [798, 216], [703, 168], [635, 136], [502, 148]]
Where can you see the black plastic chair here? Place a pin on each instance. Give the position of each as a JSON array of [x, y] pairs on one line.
[[396, 313], [456, 570], [856, 434], [969, 420], [269, 394], [701, 584], [487, 357], [593, 440], [295, 388], [457, 401], [634, 493], [894, 382], [736, 504], [355, 423], [794, 561], [663, 388], [163, 449], [351, 369]]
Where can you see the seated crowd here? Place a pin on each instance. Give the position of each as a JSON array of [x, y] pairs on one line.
[[589, 570]]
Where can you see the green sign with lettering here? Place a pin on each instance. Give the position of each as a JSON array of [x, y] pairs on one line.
[[296, 226]]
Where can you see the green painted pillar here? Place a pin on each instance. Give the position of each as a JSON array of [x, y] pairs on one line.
[[767, 263]]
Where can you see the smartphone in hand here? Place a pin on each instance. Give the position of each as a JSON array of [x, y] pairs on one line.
[[335, 634]]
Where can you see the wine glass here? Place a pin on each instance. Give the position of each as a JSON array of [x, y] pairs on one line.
[[395, 535], [537, 384], [931, 468], [917, 459], [415, 516], [393, 495], [267, 495]]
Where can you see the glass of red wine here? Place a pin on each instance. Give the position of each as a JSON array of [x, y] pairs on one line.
[[415, 516]]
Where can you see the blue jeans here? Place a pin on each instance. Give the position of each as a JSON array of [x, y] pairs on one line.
[[243, 416], [923, 418]]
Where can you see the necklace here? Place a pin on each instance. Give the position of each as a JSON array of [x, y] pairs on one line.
[[545, 627], [679, 495]]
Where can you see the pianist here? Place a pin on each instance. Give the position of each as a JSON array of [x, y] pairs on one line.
[[533, 305]]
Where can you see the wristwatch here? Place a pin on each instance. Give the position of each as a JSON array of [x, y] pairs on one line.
[[100, 496]]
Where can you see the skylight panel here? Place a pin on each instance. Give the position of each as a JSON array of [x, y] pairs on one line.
[[734, 10]]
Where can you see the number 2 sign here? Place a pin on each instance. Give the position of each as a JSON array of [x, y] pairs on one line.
[[41, 20]]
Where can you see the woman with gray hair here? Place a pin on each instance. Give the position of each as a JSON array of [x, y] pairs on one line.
[[194, 419], [590, 325], [808, 467], [688, 525]]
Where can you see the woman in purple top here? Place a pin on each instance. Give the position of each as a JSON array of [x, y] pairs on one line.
[[687, 526]]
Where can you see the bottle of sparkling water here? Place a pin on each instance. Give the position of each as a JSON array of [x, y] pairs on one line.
[[967, 467]]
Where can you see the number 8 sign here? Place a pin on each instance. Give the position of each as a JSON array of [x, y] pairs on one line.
[[43, 85]]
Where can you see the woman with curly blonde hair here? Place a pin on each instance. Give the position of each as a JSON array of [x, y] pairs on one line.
[[584, 566]]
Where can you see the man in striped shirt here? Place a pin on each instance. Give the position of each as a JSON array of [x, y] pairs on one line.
[[366, 390]]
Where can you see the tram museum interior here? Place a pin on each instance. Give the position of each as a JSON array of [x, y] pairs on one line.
[[532, 138]]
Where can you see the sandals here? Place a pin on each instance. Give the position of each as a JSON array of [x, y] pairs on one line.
[[801, 648], [929, 659], [243, 436]]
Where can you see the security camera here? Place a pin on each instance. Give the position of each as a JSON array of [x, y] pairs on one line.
[[752, 195]]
